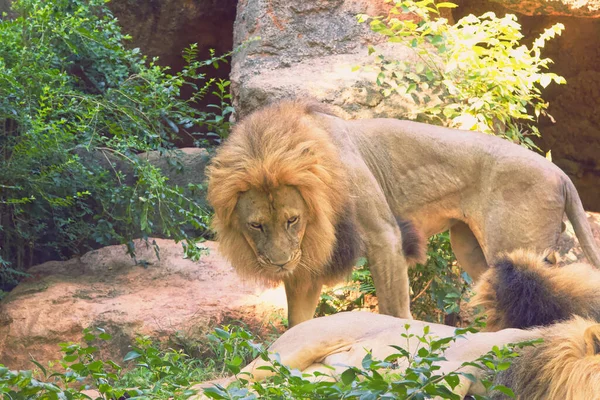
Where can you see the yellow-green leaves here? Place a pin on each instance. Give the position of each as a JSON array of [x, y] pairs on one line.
[[475, 74]]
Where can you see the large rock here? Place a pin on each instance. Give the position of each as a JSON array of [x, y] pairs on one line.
[[104, 288], [309, 49], [330, 79]]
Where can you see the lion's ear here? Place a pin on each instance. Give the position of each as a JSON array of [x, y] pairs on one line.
[[591, 338], [550, 257]]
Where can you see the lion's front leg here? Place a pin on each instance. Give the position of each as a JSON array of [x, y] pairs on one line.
[[302, 300], [389, 270]]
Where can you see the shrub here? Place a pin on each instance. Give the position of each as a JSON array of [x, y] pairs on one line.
[[77, 107], [438, 287], [153, 373], [474, 74]]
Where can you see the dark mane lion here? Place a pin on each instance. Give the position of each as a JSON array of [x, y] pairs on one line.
[[522, 290]]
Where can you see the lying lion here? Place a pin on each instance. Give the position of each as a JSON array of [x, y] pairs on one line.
[[299, 194], [565, 366]]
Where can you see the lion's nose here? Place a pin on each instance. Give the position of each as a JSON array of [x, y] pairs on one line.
[[279, 261]]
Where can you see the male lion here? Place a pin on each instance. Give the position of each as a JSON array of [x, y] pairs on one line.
[[523, 289], [565, 366], [299, 193]]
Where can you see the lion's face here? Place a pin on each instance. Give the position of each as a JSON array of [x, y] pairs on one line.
[[273, 223]]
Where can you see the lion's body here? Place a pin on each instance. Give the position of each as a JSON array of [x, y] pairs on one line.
[[357, 177], [566, 366]]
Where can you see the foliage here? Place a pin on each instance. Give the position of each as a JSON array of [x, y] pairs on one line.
[[232, 344], [169, 374], [351, 296], [162, 374], [78, 363], [375, 379], [152, 374], [77, 107], [437, 287], [474, 74]]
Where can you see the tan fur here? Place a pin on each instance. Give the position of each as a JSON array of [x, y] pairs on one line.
[[566, 366], [493, 195], [577, 285]]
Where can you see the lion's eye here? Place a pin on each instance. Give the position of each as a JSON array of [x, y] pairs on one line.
[[292, 221], [255, 225]]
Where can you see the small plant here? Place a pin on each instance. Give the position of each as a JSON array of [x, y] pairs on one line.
[[81, 370], [376, 379], [474, 74], [162, 374], [438, 287], [233, 346], [353, 295]]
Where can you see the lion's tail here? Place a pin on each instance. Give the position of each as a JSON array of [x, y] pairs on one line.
[[578, 218]]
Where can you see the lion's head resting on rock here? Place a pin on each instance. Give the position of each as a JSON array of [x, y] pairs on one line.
[[280, 200]]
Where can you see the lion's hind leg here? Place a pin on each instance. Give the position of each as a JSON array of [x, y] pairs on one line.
[[467, 250]]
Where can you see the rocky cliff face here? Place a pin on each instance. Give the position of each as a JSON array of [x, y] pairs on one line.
[[164, 28]]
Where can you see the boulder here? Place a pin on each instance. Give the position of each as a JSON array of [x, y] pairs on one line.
[[328, 43], [160, 297]]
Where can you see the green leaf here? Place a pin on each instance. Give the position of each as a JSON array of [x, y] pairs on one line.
[[452, 380], [132, 355], [503, 389], [446, 5], [545, 80]]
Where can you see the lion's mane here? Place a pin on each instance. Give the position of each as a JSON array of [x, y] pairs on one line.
[[566, 365], [522, 290], [265, 151]]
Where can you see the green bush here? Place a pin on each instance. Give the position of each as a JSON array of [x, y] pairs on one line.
[[438, 287], [474, 74], [152, 373], [76, 109]]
